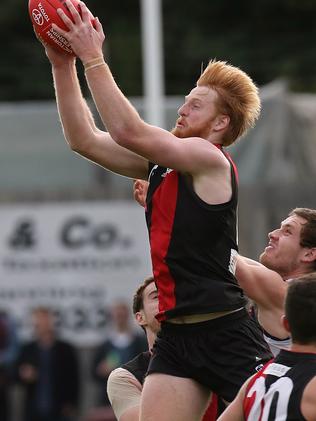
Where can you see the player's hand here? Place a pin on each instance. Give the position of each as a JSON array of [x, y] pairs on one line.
[[140, 191], [58, 58], [84, 33], [55, 57]]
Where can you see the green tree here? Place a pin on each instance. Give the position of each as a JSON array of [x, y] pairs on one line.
[[267, 38]]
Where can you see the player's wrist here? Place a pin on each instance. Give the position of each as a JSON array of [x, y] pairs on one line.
[[65, 65], [93, 63]]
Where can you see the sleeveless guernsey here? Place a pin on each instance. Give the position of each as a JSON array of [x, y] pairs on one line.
[[193, 246]]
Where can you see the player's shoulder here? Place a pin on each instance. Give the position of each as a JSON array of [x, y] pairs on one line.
[[121, 383], [121, 375], [308, 403]]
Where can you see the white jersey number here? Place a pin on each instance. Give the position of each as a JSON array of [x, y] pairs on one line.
[[274, 402]]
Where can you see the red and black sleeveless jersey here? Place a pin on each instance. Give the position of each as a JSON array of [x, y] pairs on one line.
[[193, 246], [275, 393]]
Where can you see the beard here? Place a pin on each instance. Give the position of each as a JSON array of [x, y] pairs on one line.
[[184, 132], [264, 260], [272, 264]]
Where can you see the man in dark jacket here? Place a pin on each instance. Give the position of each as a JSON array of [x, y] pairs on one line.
[[48, 370]]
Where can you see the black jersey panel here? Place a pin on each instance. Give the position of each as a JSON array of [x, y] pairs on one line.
[[193, 247], [276, 391]]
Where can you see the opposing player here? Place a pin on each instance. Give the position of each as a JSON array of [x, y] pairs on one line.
[[125, 383], [207, 341], [291, 253], [285, 388]]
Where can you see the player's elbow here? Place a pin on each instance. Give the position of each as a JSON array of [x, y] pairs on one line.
[[75, 146], [79, 144], [128, 134]]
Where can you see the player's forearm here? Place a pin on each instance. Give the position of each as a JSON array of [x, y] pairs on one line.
[[117, 113], [75, 115]]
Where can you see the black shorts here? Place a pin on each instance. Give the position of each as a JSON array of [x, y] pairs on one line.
[[220, 353]]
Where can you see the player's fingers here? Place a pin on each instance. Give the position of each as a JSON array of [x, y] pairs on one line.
[[67, 21], [74, 12], [98, 26], [85, 13], [137, 184], [61, 31]]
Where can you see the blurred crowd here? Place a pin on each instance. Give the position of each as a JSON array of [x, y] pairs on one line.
[[41, 379]]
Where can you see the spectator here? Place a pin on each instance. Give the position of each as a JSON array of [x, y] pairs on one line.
[[49, 373], [8, 353], [122, 344]]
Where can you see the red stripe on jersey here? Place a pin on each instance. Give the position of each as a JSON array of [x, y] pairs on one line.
[[162, 219], [249, 401], [233, 164], [230, 159]]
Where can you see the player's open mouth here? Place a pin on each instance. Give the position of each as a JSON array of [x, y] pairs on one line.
[[269, 247]]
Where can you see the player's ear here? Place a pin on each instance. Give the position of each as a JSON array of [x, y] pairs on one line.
[[140, 318], [310, 255], [221, 122], [285, 323]]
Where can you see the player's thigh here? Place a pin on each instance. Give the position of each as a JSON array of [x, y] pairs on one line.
[[170, 398]]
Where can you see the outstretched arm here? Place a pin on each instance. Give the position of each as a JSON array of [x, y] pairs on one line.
[[193, 155], [79, 127], [262, 285]]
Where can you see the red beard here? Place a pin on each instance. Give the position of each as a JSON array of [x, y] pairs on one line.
[[191, 132]]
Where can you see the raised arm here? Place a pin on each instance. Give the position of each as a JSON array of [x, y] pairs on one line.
[[79, 127], [193, 155], [262, 285]]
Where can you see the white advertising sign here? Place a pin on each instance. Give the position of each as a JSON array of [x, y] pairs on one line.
[[76, 257]]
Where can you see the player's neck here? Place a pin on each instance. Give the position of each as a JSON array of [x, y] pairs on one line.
[[307, 349], [151, 337], [295, 274]]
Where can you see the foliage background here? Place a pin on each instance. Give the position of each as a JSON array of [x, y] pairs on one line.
[[268, 38]]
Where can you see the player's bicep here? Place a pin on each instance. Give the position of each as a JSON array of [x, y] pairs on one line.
[[259, 283], [189, 155], [247, 277]]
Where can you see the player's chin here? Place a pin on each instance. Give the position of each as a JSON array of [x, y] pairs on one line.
[[265, 260], [178, 132], [262, 257]]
